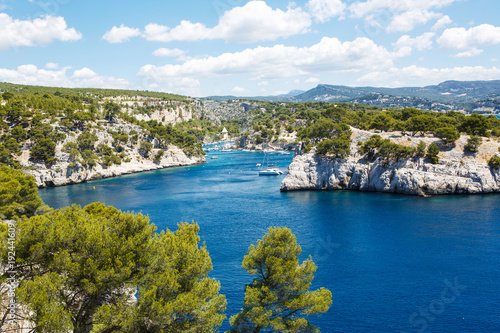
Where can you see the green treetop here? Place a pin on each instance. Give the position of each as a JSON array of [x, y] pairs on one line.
[[92, 256], [432, 153], [278, 298], [80, 269], [448, 134], [175, 294], [18, 194]]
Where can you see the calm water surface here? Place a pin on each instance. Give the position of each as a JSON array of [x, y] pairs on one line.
[[393, 263]]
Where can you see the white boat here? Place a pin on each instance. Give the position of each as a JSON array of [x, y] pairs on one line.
[[270, 172]]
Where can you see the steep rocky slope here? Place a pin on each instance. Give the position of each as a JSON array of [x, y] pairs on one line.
[[70, 171], [456, 173]]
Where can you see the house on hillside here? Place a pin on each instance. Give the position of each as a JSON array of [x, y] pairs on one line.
[[224, 135]]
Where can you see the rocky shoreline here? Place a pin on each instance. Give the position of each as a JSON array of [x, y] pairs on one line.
[[62, 174], [456, 173]]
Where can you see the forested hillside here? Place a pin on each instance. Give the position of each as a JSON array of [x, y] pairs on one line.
[[64, 135]]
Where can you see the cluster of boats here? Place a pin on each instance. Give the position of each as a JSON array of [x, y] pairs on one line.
[[267, 169]]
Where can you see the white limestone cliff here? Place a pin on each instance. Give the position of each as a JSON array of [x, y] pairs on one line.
[[456, 173], [67, 171], [62, 173]]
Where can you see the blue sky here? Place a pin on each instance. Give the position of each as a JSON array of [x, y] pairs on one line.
[[247, 48]]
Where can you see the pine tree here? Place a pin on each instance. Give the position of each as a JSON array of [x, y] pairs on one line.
[[278, 298], [18, 194]]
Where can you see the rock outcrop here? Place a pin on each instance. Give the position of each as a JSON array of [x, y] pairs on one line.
[[71, 171], [62, 173], [456, 173]]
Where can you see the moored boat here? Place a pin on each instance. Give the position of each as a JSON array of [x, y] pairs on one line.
[[270, 172]]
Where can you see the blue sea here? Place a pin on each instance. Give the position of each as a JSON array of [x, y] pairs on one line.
[[393, 263]]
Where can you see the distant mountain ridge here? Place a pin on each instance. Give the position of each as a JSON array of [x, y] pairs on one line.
[[468, 95]]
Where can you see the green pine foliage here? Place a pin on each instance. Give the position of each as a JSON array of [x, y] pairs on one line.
[[44, 150], [421, 149], [79, 269], [18, 194], [158, 156], [84, 93], [278, 299], [175, 294], [432, 153], [473, 144], [386, 150], [145, 147], [448, 134], [331, 138], [86, 141], [475, 125], [494, 162]]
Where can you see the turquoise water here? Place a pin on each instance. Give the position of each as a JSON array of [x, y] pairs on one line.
[[393, 263]]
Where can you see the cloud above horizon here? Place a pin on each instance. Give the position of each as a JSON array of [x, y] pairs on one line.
[[251, 46], [329, 55], [120, 34], [253, 22], [50, 76], [38, 32], [423, 76], [400, 16], [464, 39]]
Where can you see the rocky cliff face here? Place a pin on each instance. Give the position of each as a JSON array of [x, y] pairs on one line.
[[62, 174], [456, 173], [172, 115], [67, 171]]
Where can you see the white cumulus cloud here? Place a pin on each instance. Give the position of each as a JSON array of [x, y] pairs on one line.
[[83, 78], [84, 73], [400, 15], [467, 54], [52, 65], [406, 44], [256, 21], [175, 53], [239, 90], [40, 31], [312, 80], [329, 55], [421, 76], [185, 31], [253, 22], [324, 10], [407, 21], [121, 34], [364, 8], [184, 86], [466, 39], [443, 21]]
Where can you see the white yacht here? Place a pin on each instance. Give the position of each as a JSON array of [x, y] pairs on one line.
[[270, 172]]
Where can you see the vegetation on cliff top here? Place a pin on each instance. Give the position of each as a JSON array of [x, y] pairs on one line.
[[326, 126], [39, 122], [40, 118]]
